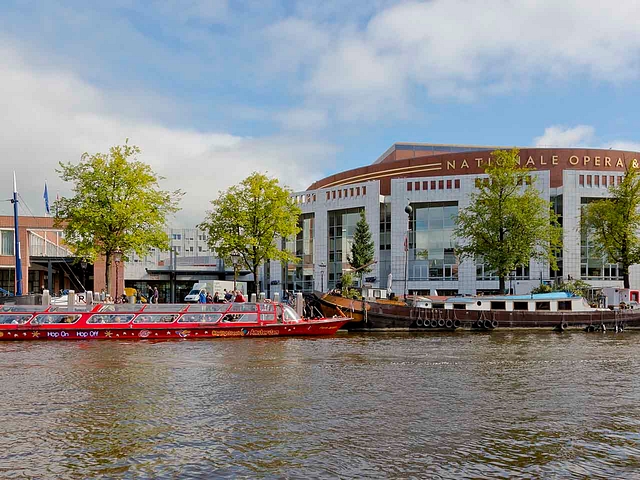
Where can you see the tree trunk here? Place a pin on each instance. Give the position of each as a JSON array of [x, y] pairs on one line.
[[256, 280], [625, 276], [502, 284]]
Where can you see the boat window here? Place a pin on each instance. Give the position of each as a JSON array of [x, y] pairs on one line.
[[65, 308], [266, 317], [564, 305], [543, 305], [438, 305], [14, 319], [110, 318], [164, 307], [121, 307], [55, 318], [208, 307], [460, 306], [498, 305], [521, 305], [240, 318], [290, 315], [200, 318], [155, 318], [267, 307], [23, 308], [243, 307]]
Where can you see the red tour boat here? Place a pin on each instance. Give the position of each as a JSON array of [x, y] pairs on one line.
[[158, 321]]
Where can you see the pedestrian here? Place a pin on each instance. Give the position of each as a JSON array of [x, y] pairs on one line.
[[103, 295], [150, 295], [202, 298], [227, 295], [155, 295]]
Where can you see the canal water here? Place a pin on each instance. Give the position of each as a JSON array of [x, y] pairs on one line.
[[498, 405]]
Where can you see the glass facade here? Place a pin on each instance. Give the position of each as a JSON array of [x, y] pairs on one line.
[[594, 266], [556, 204], [299, 276], [7, 280], [342, 226], [431, 242]]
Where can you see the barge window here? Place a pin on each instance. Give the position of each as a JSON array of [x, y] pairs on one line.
[[243, 307], [155, 319], [460, 306], [47, 319], [23, 308], [521, 305], [437, 305], [543, 306], [240, 318], [564, 305], [167, 307], [110, 319], [208, 307], [267, 307], [121, 307], [14, 319], [498, 305], [200, 318]]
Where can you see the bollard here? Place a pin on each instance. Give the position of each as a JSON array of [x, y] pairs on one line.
[[71, 300], [276, 297], [253, 298], [46, 298], [299, 303], [262, 297]]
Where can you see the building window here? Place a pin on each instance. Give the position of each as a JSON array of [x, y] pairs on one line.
[[581, 180], [425, 185], [448, 184], [604, 180], [358, 191], [619, 179], [431, 242], [589, 180], [339, 193], [385, 226], [596, 180], [299, 276], [364, 190], [342, 226], [409, 186], [456, 183], [611, 180], [433, 184], [351, 191], [7, 243], [333, 194], [440, 184], [417, 186]]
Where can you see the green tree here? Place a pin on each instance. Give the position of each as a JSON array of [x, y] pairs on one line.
[[362, 249], [508, 222], [248, 217], [116, 206], [614, 223]]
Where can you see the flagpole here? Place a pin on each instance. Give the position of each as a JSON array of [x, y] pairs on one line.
[[18, 275]]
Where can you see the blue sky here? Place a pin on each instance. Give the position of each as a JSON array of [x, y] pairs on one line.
[[213, 90]]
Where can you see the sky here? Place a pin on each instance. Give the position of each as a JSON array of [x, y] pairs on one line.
[[212, 90]]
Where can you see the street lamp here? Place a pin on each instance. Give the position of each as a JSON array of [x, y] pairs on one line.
[[322, 266], [83, 265], [235, 258], [117, 258], [408, 210]]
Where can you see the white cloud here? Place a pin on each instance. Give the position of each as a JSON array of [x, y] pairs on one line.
[[580, 136], [461, 49], [560, 136], [48, 116]]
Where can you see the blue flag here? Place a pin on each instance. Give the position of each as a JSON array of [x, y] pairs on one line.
[[46, 199]]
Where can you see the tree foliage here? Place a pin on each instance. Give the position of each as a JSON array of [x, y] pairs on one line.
[[613, 223], [247, 218], [363, 248], [508, 222], [116, 206]]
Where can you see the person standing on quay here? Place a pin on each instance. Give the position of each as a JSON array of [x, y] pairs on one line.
[[155, 295]]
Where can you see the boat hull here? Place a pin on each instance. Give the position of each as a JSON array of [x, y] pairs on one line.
[[383, 316]]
